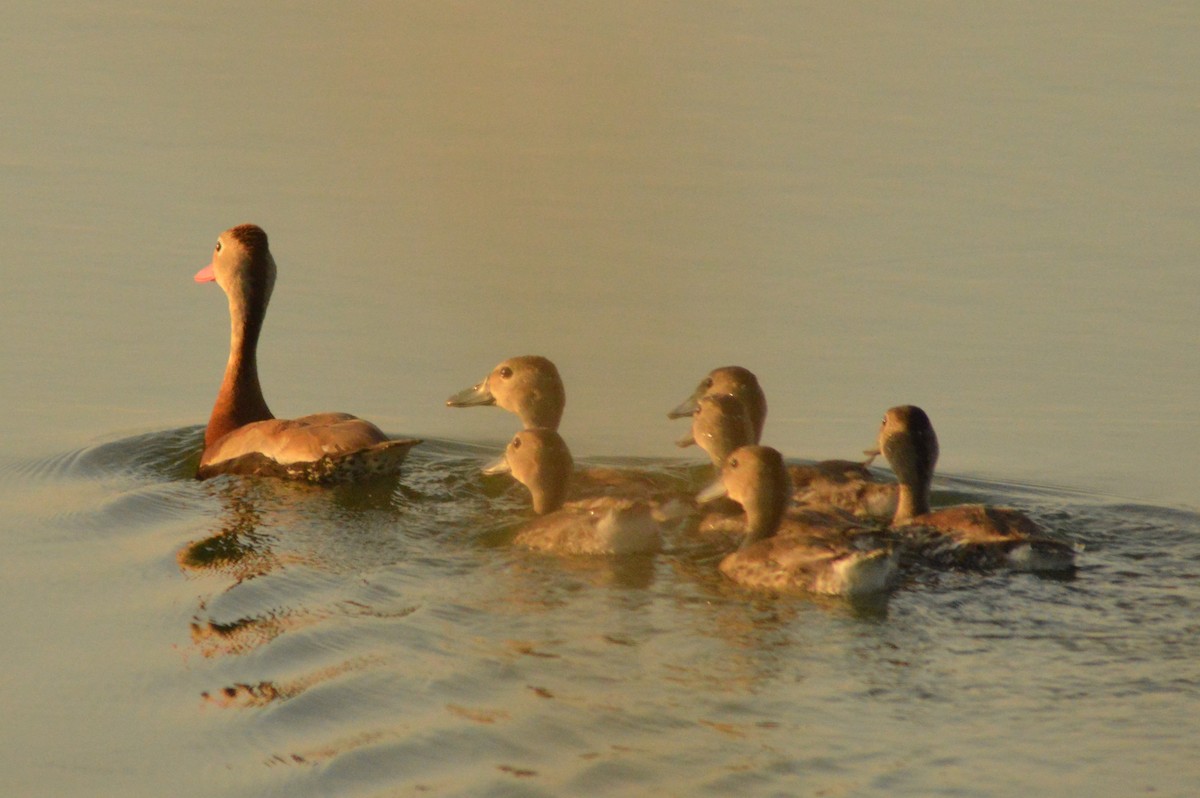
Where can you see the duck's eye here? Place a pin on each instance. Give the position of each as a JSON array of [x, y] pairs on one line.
[[505, 373], [733, 462], [708, 382], [218, 245], [516, 443]]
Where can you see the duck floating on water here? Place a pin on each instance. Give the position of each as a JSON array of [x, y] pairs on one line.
[[530, 387], [243, 436], [804, 550], [973, 535], [832, 484], [540, 460]]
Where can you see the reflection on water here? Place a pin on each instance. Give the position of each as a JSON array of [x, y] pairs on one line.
[[387, 636]]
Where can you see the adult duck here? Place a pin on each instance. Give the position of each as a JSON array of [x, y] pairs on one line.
[[243, 436], [539, 459], [971, 536], [807, 550], [528, 386]]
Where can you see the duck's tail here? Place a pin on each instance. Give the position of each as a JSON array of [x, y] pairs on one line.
[[1042, 555], [860, 573]]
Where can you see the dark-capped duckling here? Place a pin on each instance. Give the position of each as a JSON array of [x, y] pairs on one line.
[[972, 536]]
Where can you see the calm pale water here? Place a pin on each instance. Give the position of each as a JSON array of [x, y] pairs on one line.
[[989, 211]]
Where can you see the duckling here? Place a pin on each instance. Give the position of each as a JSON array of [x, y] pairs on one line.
[[842, 484], [736, 381], [820, 553], [540, 460], [531, 387], [720, 424], [528, 386], [972, 536]]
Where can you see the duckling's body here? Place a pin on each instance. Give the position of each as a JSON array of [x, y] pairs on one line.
[[804, 550], [829, 566], [605, 524], [846, 485], [970, 536], [243, 436]]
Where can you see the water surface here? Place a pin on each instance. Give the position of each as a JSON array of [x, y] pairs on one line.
[[985, 211]]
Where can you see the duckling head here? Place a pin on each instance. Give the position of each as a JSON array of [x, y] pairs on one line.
[[720, 424], [528, 385], [756, 478], [735, 381], [907, 440], [540, 460]]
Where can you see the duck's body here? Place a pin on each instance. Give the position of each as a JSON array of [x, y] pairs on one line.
[[528, 386], [322, 447], [804, 550], [828, 566], [846, 485], [243, 436], [607, 524], [968, 536]]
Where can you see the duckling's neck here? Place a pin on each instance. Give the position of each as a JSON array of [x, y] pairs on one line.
[[548, 487], [240, 400], [541, 416], [913, 500], [763, 515], [757, 408], [546, 499]]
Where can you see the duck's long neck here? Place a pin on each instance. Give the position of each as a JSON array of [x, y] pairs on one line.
[[240, 400]]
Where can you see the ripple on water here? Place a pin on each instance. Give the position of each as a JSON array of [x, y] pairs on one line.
[[369, 639]]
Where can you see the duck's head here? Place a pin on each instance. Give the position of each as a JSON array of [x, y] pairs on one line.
[[242, 265], [907, 440], [756, 478], [528, 386], [720, 424], [540, 460], [737, 382]]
